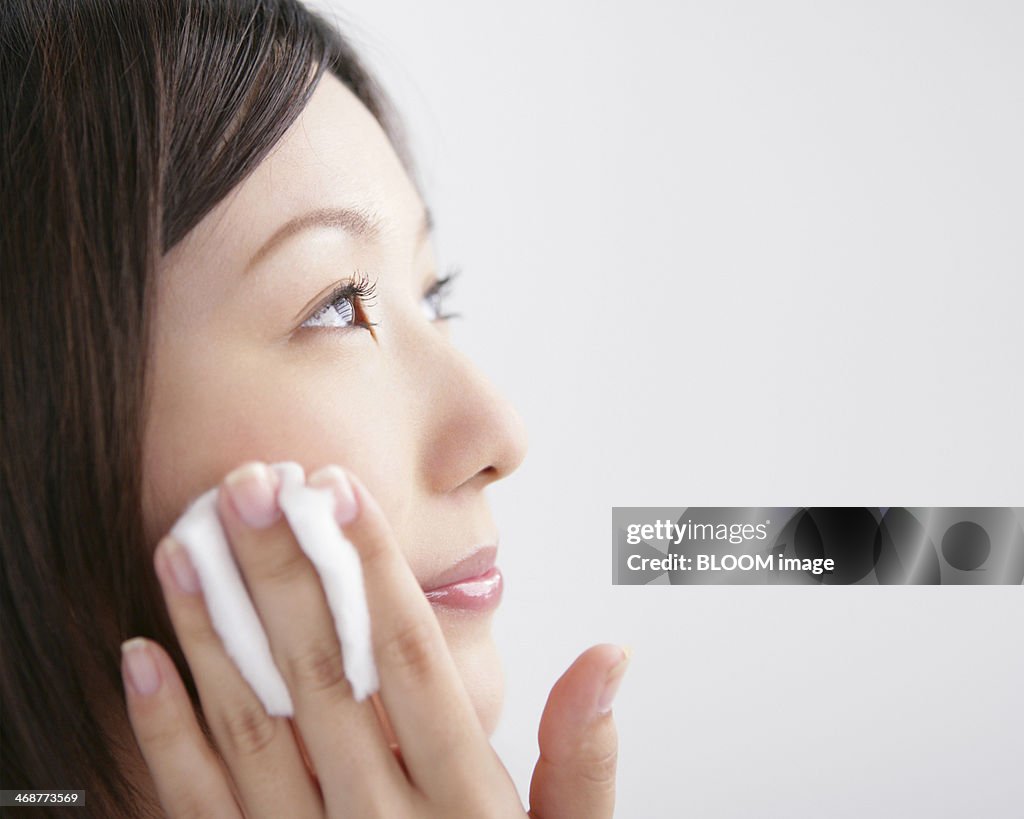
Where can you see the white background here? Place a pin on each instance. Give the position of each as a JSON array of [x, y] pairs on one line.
[[741, 253]]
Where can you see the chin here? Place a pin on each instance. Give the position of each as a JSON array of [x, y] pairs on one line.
[[479, 665]]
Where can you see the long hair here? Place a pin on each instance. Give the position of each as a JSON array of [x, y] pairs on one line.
[[123, 123]]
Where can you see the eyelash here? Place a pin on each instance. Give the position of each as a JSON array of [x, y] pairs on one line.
[[440, 289], [358, 291], [361, 291]]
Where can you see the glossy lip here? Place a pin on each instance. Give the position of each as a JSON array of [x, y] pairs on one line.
[[476, 594], [479, 563], [473, 584]]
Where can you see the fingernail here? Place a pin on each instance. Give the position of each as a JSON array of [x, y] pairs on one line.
[[334, 478], [253, 491], [611, 684], [140, 668], [183, 573]]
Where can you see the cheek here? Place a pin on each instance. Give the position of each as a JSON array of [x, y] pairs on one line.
[[206, 420]]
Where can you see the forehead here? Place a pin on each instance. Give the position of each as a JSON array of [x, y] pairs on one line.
[[335, 155]]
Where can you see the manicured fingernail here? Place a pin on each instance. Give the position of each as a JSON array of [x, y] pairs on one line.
[[140, 667], [611, 684], [334, 478], [253, 491], [183, 573]]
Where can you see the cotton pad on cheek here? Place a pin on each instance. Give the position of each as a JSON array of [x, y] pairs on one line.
[[310, 514]]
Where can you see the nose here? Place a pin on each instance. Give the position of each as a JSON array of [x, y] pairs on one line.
[[473, 435]]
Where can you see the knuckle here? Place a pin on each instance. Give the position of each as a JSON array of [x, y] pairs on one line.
[[598, 766], [247, 729], [412, 648], [194, 807], [194, 628], [380, 810], [284, 567], [161, 734], [318, 667]]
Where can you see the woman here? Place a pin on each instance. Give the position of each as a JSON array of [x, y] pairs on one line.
[[214, 258]]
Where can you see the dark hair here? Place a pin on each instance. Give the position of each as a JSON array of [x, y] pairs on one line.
[[123, 123]]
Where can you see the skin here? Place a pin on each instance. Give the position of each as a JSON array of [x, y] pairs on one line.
[[236, 381]]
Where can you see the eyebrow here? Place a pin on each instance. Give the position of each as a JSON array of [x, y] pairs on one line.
[[365, 224]]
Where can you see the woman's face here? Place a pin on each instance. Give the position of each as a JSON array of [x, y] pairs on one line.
[[247, 366]]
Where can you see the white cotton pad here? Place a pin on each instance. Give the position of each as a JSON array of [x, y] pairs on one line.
[[310, 514]]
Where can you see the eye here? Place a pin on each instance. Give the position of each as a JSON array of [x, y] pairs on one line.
[[340, 312], [437, 297], [345, 306]]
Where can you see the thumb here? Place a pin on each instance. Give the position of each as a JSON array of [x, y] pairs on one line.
[[575, 775]]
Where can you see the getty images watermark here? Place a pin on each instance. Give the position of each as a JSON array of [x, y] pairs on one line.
[[817, 545]]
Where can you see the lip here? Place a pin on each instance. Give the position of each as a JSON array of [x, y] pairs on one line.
[[472, 584]]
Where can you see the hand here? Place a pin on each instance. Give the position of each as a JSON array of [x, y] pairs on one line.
[[335, 757]]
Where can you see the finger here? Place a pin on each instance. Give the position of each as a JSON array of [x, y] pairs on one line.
[[343, 738], [189, 778], [432, 715], [260, 750], [575, 775]]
